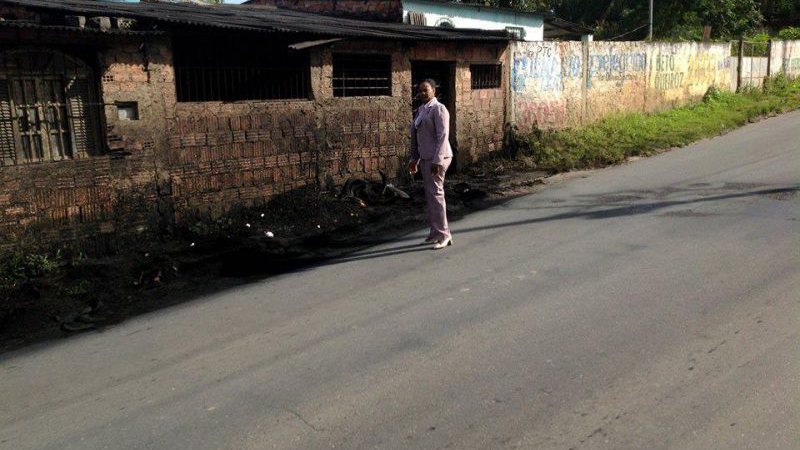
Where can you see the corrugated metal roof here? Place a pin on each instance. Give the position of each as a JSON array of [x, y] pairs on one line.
[[259, 19], [38, 26]]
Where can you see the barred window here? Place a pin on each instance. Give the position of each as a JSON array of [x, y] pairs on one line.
[[517, 33], [214, 67], [362, 75], [486, 76], [48, 108]]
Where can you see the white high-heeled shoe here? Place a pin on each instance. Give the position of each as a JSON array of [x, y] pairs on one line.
[[442, 244]]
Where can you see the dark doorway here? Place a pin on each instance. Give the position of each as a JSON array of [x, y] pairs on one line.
[[443, 73]]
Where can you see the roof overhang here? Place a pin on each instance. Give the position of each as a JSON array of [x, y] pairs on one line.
[[259, 19]]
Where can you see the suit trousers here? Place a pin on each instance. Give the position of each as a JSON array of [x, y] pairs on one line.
[[434, 197]]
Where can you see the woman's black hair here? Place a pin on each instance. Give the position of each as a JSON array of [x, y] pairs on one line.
[[431, 82]]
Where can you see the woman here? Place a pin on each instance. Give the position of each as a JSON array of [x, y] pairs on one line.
[[430, 145]]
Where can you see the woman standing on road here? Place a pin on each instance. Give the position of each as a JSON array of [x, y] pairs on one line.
[[430, 145]]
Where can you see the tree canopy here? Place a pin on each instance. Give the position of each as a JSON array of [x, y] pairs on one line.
[[673, 19]]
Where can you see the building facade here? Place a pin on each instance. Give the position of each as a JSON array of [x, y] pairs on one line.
[[522, 26], [121, 120]]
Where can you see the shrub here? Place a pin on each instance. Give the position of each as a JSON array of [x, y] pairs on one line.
[[789, 34]]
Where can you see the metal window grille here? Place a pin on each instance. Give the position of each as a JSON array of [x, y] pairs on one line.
[[8, 153], [362, 75], [517, 33], [211, 68], [46, 112], [486, 76]]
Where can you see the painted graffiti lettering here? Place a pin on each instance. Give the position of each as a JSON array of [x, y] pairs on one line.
[[705, 62], [565, 84], [616, 67], [547, 72], [791, 65], [665, 63], [666, 81]]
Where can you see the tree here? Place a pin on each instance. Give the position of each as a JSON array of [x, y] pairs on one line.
[[673, 19], [729, 18]]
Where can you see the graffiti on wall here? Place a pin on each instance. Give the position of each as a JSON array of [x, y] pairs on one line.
[[543, 114], [667, 75], [555, 85], [616, 67], [791, 65], [545, 68]]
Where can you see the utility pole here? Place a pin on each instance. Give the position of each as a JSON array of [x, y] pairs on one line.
[[650, 32]]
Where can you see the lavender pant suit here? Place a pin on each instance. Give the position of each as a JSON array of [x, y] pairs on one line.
[[430, 143]]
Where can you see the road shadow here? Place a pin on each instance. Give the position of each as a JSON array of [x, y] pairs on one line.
[[252, 263]]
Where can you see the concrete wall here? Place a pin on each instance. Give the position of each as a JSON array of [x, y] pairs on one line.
[[754, 71], [484, 18], [786, 58], [565, 84]]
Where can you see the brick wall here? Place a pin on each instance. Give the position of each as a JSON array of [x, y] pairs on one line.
[[182, 161], [92, 198], [480, 114], [383, 10], [224, 155]]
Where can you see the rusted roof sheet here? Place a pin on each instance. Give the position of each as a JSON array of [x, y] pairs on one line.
[[260, 19], [113, 31]]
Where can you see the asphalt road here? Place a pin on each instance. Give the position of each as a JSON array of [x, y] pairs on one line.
[[652, 305]]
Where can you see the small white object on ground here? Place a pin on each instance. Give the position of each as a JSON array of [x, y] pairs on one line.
[[269, 234]]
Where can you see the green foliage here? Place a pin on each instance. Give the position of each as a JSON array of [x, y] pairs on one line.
[[778, 85], [729, 18], [519, 5], [673, 19], [19, 267], [789, 34], [22, 266], [614, 139]]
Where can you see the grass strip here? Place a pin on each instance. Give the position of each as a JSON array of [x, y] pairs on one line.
[[616, 138]]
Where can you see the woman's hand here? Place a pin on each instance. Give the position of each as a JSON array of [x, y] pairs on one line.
[[437, 169], [413, 166]]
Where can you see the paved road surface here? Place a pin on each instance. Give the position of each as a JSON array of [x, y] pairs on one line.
[[649, 306]]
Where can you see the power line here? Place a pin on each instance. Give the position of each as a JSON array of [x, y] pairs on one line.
[[627, 33]]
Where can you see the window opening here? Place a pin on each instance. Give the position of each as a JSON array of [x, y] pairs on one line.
[[46, 108], [517, 33], [362, 75], [233, 68], [486, 76]]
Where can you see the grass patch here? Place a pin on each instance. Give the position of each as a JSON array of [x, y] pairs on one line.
[[614, 139]]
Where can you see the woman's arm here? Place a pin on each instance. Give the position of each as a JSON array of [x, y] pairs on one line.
[[414, 143], [441, 118]]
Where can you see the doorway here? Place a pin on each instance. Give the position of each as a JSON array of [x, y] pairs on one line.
[[443, 73]]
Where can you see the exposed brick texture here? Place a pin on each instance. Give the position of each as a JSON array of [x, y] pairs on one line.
[[480, 114], [183, 161]]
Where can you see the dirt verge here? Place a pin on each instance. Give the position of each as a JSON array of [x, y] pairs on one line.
[[66, 296]]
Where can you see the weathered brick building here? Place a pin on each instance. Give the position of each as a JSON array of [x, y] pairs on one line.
[[122, 119]]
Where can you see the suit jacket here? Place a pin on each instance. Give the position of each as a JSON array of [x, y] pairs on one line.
[[430, 133]]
